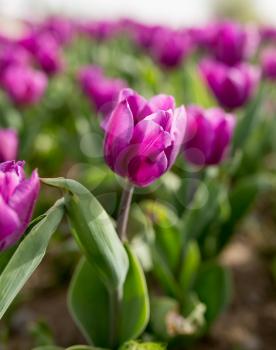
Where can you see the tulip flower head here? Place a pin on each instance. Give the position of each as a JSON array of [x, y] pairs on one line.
[[18, 196], [231, 43], [143, 138], [209, 133], [232, 86], [24, 85], [169, 47], [101, 91], [8, 145], [268, 63]]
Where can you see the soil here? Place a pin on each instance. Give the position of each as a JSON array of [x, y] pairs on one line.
[[248, 324]]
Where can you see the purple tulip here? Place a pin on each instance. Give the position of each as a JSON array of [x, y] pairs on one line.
[[144, 35], [17, 200], [268, 34], [8, 145], [102, 91], [24, 85], [143, 138], [169, 47], [232, 86], [99, 30], [268, 62], [11, 55], [45, 50], [230, 42], [209, 133], [60, 28]]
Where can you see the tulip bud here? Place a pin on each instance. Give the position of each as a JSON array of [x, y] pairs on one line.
[[231, 43], [8, 145], [17, 200], [143, 138], [102, 91], [268, 62], [169, 47], [209, 133], [24, 85], [232, 86]]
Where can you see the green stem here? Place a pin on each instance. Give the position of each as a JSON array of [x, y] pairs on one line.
[[124, 212]]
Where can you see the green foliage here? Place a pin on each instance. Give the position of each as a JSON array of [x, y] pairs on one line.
[[94, 232], [109, 319], [28, 256]]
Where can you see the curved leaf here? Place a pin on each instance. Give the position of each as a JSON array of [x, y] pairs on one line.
[[28, 256], [94, 232]]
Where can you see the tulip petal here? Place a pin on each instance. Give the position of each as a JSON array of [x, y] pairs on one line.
[[143, 171], [23, 199], [162, 102], [9, 225], [119, 130]]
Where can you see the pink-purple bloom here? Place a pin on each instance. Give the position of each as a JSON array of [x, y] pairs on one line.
[[268, 62], [18, 196], [24, 85], [45, 50], [230, 42], [143, 137], [208, 136], [232, 86], [8, 145], [11, 55], [170, 47], [101, 90]]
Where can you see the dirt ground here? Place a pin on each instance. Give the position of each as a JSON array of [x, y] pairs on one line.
[[248, 324]]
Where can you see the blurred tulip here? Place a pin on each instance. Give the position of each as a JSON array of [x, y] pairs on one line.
[[232, 86], [8, 145], [143, 138], [45, 50], [17, 200], [62, 29], [169, 47], [209, 133], [268, 34], [268, 62], [102, 91], [100, 30], [12, 54], [24, 85], [230, 42]]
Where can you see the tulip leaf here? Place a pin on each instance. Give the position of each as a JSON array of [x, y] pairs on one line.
[[134, 345], [248, 120], [90, 303], [75, 347], [213, 287], [190, 266], [241, 198], [28, 256], [94, 232]]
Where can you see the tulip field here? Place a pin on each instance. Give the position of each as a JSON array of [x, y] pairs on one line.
[[137, 186]]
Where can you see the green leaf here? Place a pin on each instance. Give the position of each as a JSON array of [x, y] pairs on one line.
[[92, 307], [194, 221], [94, 231], [190, 266], [213, 287], [75, 347], [28, 256], [241, 198], [134, 345], [248, 120]]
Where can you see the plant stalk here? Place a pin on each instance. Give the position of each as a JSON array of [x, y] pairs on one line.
[[124, 212]]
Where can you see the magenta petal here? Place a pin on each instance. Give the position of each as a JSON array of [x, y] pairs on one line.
[[162, 102], [9, 225], [137, 103], [150, 138], [143, 171], [119, 130], [24, 198]]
